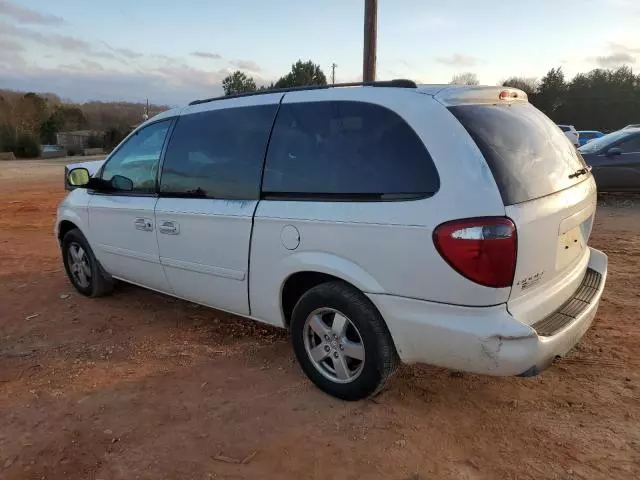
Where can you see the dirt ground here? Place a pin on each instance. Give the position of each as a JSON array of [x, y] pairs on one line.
[[142, 386]]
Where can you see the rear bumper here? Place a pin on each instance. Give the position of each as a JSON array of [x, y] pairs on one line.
[[489, 340]]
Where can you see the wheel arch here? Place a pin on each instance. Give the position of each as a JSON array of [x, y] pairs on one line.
[[64, 227]]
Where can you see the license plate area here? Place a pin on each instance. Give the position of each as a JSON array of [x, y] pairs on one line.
[[572, 244]]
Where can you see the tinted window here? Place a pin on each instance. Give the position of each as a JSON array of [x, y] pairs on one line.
[[587, 135], [564, 128], [346, 149], [528, 155], [631, 146], [137, 159], [218, 154]]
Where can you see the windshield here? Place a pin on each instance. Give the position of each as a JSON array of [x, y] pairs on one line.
[[602, 142]]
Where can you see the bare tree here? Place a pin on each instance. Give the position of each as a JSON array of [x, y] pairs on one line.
[[466, 78], [528, 85]]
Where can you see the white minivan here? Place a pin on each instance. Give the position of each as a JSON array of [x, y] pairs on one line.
[[379, 223]]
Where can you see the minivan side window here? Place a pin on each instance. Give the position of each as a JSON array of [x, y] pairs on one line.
[[218, 153], [137, 159], [346, 150]]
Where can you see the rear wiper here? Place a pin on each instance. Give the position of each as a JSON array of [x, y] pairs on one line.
[[581, 171]]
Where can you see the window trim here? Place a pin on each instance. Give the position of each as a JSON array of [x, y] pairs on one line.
[[346, 197], [163, 150]]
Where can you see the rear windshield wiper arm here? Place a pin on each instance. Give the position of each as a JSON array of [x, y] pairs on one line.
[[581, 171]]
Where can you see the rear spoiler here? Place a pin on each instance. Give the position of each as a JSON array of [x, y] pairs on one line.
[[451, 95]]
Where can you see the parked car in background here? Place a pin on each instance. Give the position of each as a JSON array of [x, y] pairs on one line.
[[571, 133], [52, 151], [633, 125], [585, 136], [380, 223], [615, 160]]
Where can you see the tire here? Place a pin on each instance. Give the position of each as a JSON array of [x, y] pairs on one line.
[[98, 283], [365, 335]]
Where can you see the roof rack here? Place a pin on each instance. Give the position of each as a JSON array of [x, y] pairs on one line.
[[397, 83]]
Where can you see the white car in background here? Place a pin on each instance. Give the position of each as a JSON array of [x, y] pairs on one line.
[[571, 133], [379, 223]]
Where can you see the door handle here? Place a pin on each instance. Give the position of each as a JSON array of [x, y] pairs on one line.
[[169, 228], [144, 224]]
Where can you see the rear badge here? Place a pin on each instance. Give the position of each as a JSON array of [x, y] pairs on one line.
[[530, 281]]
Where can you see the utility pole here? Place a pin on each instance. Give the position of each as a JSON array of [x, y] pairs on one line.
[[370, 38], [145, 115], [333, 73]]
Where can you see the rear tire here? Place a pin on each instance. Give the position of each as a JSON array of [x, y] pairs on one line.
[[82, 267], [341, 341]]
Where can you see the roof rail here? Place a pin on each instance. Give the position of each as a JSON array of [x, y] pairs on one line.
[[397, 83]]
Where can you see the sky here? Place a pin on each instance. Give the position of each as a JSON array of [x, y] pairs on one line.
[[173, 52]]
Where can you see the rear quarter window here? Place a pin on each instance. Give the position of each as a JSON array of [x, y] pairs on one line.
[[346, 150], [527, 153]]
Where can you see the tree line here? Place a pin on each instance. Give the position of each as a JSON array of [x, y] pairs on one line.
[[601, 99], [604, 100], [29, 120]]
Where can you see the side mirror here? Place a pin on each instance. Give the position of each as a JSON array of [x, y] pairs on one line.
[[612, 152], [78, 177], [124, 184]]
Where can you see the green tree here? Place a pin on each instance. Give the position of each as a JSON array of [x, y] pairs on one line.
[[7, 138], [238, 82], [301, 74], [27, 146], [551, 93]]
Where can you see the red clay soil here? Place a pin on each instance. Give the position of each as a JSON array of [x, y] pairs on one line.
[[142, 386]]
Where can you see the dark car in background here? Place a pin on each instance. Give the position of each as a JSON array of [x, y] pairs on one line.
[[587, 135], [615, 159]]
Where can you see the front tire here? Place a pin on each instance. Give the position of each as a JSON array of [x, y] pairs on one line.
[[341, 341], [82, 267]]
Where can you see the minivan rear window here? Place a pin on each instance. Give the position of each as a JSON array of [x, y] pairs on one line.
[[527, 153]]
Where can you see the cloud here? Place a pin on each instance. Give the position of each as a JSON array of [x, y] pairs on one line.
[[211, 56], [618, 55], [25, 15], [458, 60], [245, 65], [128, 53], [98, 71], [6, 44], [64, 42], [615, 60], [84, 80]]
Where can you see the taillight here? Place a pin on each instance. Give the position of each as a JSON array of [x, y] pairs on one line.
[[481, 249]]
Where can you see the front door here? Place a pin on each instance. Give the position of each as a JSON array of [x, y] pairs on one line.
[[620, 171], [209, 190], [121, 221]]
